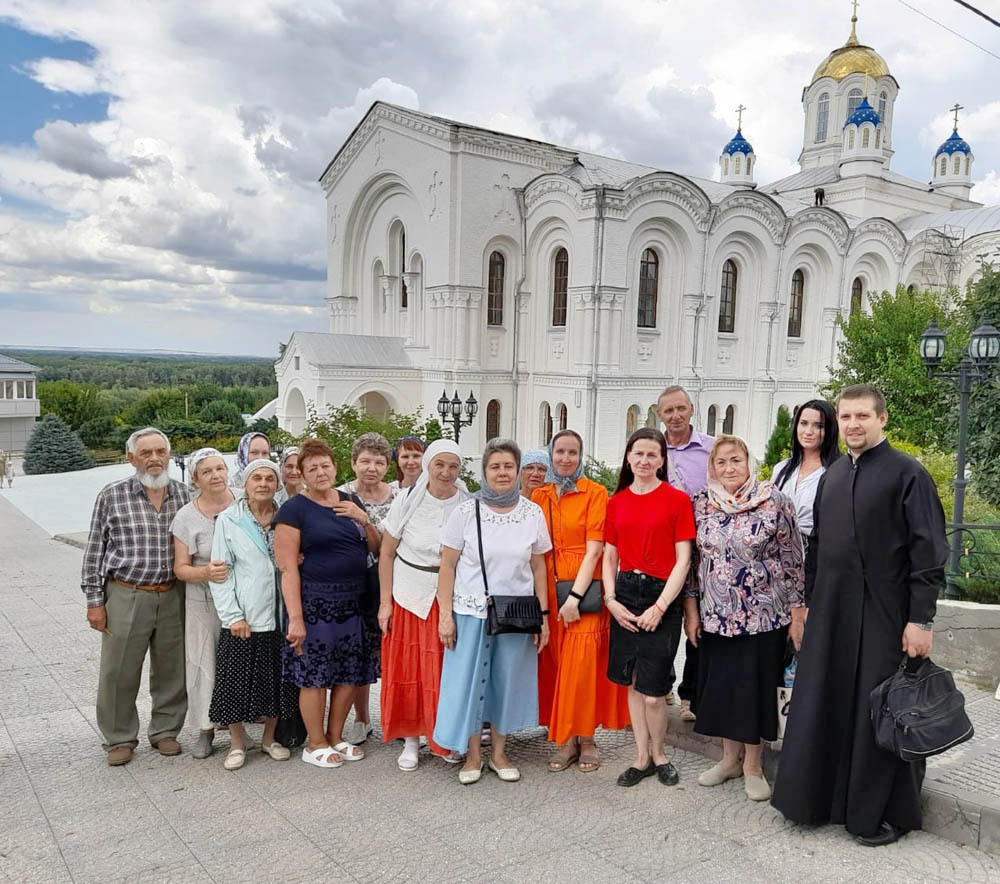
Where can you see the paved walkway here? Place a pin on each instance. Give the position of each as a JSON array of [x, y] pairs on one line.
[[68, 817]]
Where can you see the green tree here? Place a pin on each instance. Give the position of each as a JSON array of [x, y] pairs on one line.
[[155, 408], [54, 448], [222, 411], [779, 445], [883, 348], [74, 403]]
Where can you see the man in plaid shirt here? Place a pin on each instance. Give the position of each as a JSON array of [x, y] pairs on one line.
[[133, 599]]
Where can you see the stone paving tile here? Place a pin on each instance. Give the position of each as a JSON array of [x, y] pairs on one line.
[[29, 853]]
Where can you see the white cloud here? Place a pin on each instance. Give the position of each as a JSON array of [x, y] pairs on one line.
[[66, 75]]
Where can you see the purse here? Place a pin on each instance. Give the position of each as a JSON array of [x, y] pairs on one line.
[[593, 597], [507, 613], [917, 713]]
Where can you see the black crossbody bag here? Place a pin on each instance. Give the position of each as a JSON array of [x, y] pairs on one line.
[[593, 598], [507, 613]]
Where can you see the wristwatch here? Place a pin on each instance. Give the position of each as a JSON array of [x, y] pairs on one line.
[[926, 627]]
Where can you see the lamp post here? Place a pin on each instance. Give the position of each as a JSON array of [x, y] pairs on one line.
[[973, 369], [450, 411], [179, 460]]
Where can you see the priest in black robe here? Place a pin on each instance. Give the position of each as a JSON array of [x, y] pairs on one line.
[[874, 568]]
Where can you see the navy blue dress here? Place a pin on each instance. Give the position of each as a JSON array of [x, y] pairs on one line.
[[338, 650]]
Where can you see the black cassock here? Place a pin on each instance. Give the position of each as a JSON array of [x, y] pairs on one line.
[[876, 562]]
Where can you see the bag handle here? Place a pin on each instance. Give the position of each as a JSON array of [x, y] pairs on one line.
[[482, 558], [553, 539]]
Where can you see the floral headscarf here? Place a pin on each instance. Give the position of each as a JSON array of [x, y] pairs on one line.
[[749, 495], [243, 455], [195, 458]]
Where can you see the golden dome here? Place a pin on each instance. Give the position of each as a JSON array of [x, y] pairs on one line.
[[852, 58]]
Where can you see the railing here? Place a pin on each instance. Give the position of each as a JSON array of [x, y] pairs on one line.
[[980, 557]]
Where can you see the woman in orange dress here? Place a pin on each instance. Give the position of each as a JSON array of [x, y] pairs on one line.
[[574, 694]]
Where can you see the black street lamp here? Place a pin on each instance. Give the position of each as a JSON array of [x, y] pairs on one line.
[[450, 411], [179, 460], [973, 369]]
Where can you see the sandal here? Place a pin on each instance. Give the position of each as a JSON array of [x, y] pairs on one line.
[[349, 752], [589, 760], [324, 756], [560, 761], [235, 759]]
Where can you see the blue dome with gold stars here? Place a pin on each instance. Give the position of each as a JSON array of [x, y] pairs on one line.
[[738, 144], [955, 144], [863, 113]]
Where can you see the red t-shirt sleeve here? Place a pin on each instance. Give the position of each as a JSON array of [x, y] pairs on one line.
[[684, 527], [611, 521]]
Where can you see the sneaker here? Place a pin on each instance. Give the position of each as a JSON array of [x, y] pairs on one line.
[[203, 748], [356, 732]]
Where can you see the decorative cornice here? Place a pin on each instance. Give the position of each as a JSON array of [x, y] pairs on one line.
[[667, 187], [885, 231], [540, 187], [759, 207], [827, 220]]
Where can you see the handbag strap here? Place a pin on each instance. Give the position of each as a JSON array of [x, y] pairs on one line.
[[553, 539], [482, 558]]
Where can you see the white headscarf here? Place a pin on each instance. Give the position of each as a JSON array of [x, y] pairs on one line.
[[255, 465], [413, 497], [196, 458]]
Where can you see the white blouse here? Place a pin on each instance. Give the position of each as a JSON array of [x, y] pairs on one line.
[[419, 543], [509, 542], [803, 493]]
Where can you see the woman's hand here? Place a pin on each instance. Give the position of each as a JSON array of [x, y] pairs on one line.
[[624, 617], [216, 571], [570, 611], [692, 628], [649, 619], [542, 638], [240, 629], [350, 509], [296, 634], [385, 618], [447, 631]]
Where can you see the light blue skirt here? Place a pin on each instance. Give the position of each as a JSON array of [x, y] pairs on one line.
[[490, 678]]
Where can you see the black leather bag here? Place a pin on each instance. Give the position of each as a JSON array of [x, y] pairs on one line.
[[918, 712], [507, 613], [593, 596]]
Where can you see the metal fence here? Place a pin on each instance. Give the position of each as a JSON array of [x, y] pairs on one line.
[[980, 558]]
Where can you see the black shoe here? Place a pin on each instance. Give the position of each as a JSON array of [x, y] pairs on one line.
[[635, 775], [667, 774], [887, 834]]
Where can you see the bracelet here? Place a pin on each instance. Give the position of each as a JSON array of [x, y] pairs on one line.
[[608, 599], [576, 595], [658, 608], [545, 613]]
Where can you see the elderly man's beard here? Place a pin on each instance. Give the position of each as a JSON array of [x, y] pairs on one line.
[[152, 482]]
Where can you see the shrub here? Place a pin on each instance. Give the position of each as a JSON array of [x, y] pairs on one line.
[[779, 445], [222, 411], [602, 474], [54, 448]]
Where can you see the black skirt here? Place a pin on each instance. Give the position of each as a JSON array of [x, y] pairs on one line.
[[247, 677], [737, 681]]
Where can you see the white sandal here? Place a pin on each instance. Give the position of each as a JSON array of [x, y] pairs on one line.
[[348, 752], [276, 751], [409, 758], [235, 759], [322, 756]]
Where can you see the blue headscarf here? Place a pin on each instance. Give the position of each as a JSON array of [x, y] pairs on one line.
[[564, 483], [536, 455]]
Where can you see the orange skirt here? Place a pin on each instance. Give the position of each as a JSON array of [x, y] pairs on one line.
[[411, 676], [574, 694]]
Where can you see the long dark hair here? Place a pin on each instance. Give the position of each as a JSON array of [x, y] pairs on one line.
[[829, 449], [626, 476]]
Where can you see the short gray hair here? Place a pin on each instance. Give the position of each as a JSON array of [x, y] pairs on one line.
[[498, 445], [676, 388], [130, 445], [376, 443]]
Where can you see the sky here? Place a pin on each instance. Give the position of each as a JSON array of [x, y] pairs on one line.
[[159, 160]]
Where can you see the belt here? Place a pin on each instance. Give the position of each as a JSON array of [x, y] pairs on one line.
[[156, 587], [638, 575], [430, 569]]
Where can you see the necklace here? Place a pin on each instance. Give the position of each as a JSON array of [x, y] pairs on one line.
[[215, 515]]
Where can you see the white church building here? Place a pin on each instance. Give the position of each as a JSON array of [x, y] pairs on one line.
[[562, 288]]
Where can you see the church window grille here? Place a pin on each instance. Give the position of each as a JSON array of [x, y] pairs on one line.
[[402, 269], [853, 100], [857, 293], [649, 283], [967, 164], [710, 424], [546, 423], [944, 165], [736, 164], [727, 299], [632, 420], [882, 99], [494, 298], [878, 138], [493, 419], [563, 417], [795, 304], [749, 161], [725, 165], [866, 135], [560, 284], [727, 423], [822, 117], [850, 138], [957, 167]]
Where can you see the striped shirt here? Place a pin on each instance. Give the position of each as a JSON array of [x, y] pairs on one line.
[[129, 539]]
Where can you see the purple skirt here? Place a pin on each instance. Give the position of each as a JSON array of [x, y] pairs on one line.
[[340, 646]]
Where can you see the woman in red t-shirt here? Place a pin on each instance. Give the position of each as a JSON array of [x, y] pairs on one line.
[[647, 550]]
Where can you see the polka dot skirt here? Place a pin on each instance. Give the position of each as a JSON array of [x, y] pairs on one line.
[[247, 677]]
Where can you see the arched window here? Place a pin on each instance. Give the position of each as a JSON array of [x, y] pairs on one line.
[[866, 135], [878, 138], [882, 99], [493, 419], [944, 165], [725, 165], [967, 163], [822, 116], [857, 293], [727, 424], [563, 417], [649, 283], [546, 423], [710, 423], [850, 138], [494, 297], [749, 162], [795, 304], [652, 418], [957, 166], [632, 420], [560, 285], [727, 299], [853, 100], [402, 269], [736, 163], [911, 289]]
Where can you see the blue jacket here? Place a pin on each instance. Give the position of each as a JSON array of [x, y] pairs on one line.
[[248, 593]]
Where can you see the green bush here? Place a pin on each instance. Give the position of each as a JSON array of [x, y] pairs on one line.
[[222, 411], [779, 445], [54, 448], [602, 474]]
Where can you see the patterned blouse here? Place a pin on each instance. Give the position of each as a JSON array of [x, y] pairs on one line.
[[751, 571]]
